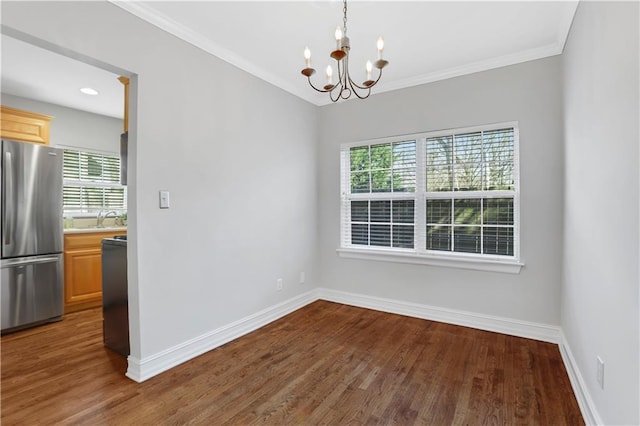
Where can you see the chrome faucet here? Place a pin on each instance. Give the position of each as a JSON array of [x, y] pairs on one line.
[[102, 216]]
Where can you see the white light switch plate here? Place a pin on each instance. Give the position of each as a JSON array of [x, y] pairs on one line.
[[164, 199]]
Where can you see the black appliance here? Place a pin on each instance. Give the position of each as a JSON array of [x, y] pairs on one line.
[[115, 299]]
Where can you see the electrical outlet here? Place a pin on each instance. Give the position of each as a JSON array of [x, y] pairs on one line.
[[301, 277], [279, 283], [600, 372]]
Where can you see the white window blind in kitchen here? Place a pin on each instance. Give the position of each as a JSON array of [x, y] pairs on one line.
[[92, 183]]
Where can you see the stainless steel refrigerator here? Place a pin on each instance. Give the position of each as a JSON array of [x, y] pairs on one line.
[[31, 263]]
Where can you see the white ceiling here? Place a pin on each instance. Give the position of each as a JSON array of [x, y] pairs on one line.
[[35, 73], [424, 41]]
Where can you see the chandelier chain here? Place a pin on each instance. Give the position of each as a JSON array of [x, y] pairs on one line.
[[344, 18]]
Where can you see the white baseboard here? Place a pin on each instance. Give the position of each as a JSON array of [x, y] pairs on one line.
[[512, 327], [587, 407], [530, 330], [143, 369]]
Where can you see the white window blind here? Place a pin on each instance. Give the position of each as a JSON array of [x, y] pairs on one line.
[[451, 193], [92, 183]]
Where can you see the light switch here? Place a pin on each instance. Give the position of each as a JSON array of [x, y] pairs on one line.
[[164, 199]]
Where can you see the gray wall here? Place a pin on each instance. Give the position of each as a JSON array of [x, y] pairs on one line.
[[254, 180], [237, 155], [529, 93], [600, 292], [74, 128]]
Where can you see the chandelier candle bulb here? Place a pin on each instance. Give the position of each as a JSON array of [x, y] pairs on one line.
[[380, 46], [329, 74], [369, 68], [307, 56]]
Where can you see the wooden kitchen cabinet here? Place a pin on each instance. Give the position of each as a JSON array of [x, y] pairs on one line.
[[24, 126], [83, 270]]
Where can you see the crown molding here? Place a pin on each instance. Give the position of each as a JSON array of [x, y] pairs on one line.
[[565, 24], [166, 23], [472, 68]]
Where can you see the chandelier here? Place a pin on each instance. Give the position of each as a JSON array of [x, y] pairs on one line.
[[345, 86]]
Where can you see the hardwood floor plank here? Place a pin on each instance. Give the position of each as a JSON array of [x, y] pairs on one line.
[[323, 364]]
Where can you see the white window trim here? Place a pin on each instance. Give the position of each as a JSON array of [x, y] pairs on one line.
[[451, 260], [478, 262]]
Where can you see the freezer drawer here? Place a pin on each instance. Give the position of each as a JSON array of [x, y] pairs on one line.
[[31, 291]]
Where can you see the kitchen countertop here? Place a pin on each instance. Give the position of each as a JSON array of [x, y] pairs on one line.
[[95, 229]]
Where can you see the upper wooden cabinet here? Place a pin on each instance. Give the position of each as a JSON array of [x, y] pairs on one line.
[[24, 126]]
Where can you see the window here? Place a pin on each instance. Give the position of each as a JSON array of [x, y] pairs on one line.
[[92, 183], [439, 195]]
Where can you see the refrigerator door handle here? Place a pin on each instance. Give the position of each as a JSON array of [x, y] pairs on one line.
[[10, 263], [8, 186]]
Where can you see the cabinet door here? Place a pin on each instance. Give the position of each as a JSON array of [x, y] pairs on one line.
[[83, 278], [83, 270], [24, 126]]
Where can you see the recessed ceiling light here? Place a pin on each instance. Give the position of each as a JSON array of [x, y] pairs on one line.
[[89, 91]]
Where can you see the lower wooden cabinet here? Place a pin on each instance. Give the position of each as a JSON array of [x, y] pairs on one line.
[[83, 270]]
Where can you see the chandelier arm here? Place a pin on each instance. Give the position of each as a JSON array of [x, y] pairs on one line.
[[377, 79], [353, 83], [362, 97], [316, 89], [337, 98], [330, 92], [343, 74], [355, 87], [341, 71], [372, 84], [338, 87]]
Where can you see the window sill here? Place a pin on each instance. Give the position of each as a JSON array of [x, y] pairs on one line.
[[461, 262]]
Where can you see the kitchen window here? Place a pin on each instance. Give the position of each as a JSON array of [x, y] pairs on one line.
[[448, 198], [92, 183]]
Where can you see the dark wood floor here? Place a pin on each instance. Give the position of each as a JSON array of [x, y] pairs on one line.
[[324, 364]]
